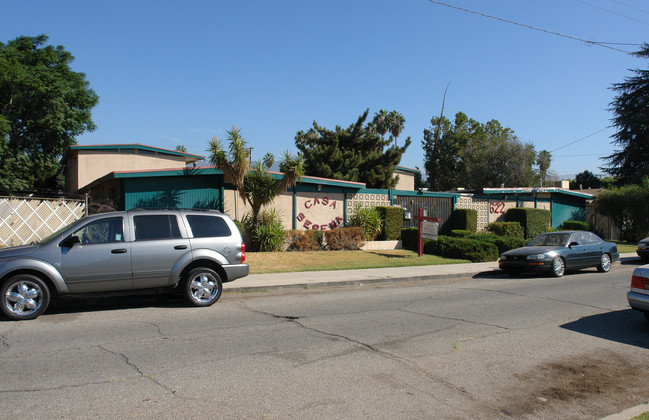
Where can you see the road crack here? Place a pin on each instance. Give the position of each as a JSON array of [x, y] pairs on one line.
[[393, 357], [137, 369]]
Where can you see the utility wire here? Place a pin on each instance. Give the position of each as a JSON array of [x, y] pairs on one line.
[[631, 7], [612, 12], [585, 41], [583, 138]]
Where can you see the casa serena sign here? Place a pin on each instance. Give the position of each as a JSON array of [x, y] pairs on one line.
[[315, 213]]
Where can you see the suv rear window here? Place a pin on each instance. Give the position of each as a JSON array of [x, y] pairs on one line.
[[159, 226], [208, 226]]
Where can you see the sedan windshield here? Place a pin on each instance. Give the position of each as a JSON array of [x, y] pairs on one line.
[[550, 239]]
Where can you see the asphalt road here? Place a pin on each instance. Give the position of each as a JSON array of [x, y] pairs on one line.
[[483, 347]]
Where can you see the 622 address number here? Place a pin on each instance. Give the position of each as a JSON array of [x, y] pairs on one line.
[[497, 208]]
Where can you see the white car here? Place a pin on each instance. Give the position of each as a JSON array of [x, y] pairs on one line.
[[638, 296]]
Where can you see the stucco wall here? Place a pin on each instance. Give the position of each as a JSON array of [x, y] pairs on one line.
[[92, 165]]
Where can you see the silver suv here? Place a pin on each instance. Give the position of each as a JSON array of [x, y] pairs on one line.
[[191, 251]]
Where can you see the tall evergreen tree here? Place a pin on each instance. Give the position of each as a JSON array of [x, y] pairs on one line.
[[358, 153], [630, 163]]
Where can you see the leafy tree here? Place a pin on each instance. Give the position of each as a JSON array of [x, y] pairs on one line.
[[358, 153], [630, 163], [476, 155], [181, 148], [585, 179], [627, 206], [44, 106], [543, 160], [442, 148]]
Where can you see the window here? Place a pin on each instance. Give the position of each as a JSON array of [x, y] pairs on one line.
[[159, 226], [590, 238], [101, 231], [208, 226]]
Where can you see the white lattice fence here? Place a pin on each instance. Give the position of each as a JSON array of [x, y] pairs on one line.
[[26, 220]]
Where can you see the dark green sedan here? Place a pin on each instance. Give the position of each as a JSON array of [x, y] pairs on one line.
[[557, 252]]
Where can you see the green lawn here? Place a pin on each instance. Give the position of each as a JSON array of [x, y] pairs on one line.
[[283, 262]]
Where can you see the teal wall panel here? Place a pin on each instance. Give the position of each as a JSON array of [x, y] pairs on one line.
[[565, 207], [197, 191]]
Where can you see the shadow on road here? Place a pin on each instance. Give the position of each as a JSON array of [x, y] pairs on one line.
[[627, 327], [107, 303]]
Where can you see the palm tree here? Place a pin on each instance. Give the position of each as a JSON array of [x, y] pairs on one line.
[[396, 122], [543, 159], [234, 164], [261, 187], [181, 148], [381, 122]]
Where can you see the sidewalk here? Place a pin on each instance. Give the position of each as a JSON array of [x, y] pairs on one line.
[[370, 275]]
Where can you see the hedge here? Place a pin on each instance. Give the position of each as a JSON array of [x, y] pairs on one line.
[[391, 220], [465, 219], [575, 225], [462, 248], [533, 221], [507, 229]]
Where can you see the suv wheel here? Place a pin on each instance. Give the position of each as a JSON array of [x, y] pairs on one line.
[[203, 287], [24, 296]]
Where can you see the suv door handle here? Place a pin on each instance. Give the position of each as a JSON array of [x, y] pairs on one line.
[[180, 247], [118, 251]]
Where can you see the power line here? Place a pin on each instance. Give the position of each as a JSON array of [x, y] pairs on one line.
[[583, 138], [612, 12], [585, 41], [630, 7]]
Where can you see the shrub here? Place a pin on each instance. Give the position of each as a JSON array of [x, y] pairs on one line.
[[391, 222], [409, 237], [465, 219], [343, 239], [304, 240], [367, 218], [533, 221], [575, 225], [268, 235], [459, 233], [513, 229], [462, 248], [505, 243]]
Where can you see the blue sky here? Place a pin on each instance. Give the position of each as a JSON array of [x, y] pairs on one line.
[[177, 73]]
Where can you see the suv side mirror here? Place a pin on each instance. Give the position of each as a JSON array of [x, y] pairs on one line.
[[573, 244], [70, 241]]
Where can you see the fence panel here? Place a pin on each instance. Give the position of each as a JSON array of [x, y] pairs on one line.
[[26, 220]]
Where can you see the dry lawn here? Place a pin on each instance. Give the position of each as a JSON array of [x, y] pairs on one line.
[[282, 262]]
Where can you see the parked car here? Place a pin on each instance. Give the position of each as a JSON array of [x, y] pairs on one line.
[[638, 296], [557, 252], [643, 250], [189, 251]]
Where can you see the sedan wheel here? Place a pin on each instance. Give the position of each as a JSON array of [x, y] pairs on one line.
[[24, 296], [558, 267], [604, 264], [203, 287]]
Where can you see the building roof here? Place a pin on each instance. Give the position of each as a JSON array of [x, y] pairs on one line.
[[211, 170], [535, 190], [189, 157]]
